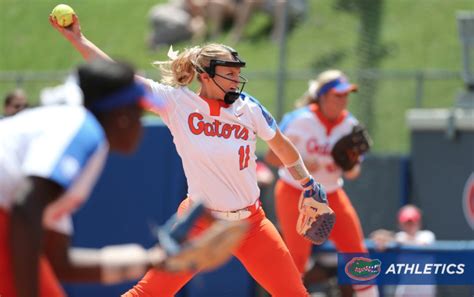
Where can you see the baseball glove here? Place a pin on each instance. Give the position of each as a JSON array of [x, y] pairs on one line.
[[206, 251], [349, 148], [315, 221]]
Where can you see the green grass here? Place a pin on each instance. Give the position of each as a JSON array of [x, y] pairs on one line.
[[415, 35]]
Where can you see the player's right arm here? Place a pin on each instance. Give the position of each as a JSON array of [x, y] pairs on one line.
[[84, 46], [73, 34], [25, 231], [56, 248], [108, 265]]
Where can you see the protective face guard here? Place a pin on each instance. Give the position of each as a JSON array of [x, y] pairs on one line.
[[230, 96], [211, 70]]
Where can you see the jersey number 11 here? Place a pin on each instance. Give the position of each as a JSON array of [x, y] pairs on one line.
[[244, 156]]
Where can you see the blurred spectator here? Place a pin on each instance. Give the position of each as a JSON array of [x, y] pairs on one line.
[[276, 8], [409, 218], [219, 14], [175, 21], [410, 222], [179, 20], [14, 102]]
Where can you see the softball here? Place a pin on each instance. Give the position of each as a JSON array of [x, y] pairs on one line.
[[63, 14]]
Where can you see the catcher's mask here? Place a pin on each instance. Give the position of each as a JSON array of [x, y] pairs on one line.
[[230, 96]]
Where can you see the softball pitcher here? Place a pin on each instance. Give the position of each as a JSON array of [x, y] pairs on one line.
[[215, 131]]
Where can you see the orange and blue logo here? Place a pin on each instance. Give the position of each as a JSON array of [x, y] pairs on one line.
[[363, 269], [404, 267]]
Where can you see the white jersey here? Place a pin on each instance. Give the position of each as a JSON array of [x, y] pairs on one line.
[[421, 238], [61, 143], [314, 137], [216, 144]]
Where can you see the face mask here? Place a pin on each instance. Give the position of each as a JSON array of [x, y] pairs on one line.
[[230, 96]]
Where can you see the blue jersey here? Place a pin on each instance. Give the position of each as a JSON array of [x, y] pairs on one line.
[[64, 144]]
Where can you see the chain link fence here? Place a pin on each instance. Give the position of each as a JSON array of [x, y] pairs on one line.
[[385, 117]]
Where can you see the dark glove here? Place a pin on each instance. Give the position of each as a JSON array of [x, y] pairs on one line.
[[349, 148]]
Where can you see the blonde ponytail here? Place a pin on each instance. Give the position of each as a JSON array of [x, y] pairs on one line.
[[180, 69], [305, 99], [310, 95]]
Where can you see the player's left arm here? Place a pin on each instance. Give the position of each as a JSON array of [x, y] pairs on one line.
[[316, 219], [270, 157], [291, 159], [283, 149], [268, 130], [26, 231]]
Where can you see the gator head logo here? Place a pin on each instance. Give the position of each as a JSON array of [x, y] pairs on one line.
[[363, 269]]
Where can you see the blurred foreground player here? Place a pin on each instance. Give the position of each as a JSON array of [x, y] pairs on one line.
[[50, 158]]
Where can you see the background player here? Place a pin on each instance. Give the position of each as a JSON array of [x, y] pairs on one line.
[[314, 129], [215, 132]]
